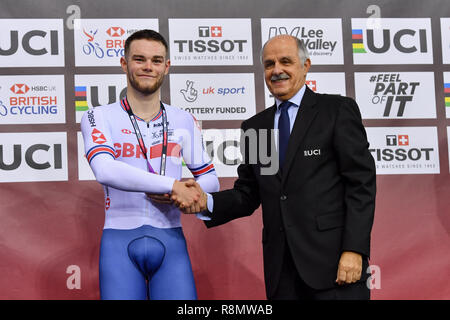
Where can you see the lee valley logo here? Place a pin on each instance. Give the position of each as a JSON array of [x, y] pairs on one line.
[[224, 96], [210, 42], [404, 150], [322, 37], [407, 95]]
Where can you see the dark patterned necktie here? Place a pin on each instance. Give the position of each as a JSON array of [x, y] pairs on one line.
[[284, 131]]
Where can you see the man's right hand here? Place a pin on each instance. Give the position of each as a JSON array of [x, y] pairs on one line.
[[185, 195], [201, 204]]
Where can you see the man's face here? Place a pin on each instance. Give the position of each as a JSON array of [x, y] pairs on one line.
[[145, 65], [283, 71]]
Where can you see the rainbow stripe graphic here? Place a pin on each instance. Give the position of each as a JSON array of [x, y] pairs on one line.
[[447, 94], [357, 41], [81, 103]]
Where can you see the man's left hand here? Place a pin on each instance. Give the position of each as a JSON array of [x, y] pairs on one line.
[[350, 267], [160, 198]]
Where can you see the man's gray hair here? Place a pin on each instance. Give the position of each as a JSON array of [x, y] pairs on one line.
[[302, 50]]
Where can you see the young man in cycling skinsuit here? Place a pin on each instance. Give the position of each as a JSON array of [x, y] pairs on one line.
[[135, 148]]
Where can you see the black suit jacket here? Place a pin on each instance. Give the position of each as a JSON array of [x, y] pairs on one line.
[[321, 203]]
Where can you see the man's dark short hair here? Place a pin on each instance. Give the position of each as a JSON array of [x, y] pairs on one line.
[[146, 34]]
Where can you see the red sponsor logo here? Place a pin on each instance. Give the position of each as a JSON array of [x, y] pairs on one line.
[[107, 203], [126, 131], [311, 84], [20, 88], [98, 137], [216, 31], [129, 150], [403, 140], [115, 32]]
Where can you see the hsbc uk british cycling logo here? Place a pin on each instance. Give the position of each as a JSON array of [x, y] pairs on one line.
[[92, 47], [3, 109], [20, 88]]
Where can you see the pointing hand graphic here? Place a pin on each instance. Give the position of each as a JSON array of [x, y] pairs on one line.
[[189, 94]]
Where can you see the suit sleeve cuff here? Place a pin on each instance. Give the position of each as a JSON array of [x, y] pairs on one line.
[[206, 215]]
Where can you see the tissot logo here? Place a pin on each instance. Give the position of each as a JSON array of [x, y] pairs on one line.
[[397, 140], [115, 32], [214, 31], [395, 41], [404, 150], [20, 88], [210, 41]]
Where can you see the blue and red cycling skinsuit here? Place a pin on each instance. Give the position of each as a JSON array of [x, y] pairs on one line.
[[143, 253]]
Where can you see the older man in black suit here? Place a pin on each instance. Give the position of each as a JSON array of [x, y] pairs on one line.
[[318, 208]]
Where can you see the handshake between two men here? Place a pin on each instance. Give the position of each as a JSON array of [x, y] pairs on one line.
[[187, 195]]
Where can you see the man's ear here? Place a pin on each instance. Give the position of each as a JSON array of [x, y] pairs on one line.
[[123, 64], [167, 67], [307, 64]]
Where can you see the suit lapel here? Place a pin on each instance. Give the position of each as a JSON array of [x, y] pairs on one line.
[[305, 115]]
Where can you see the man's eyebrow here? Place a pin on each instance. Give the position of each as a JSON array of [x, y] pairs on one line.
[[134, 56]]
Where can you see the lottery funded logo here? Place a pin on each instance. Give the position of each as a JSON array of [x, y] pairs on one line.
[[224, 96], [404, 150], [396, 95], [210, 42], [32, 99], [100, 42]]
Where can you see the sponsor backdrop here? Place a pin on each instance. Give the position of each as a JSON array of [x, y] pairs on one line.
[[393, 57]]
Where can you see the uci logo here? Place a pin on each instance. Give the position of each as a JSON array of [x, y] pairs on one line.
[[29, 40], [398, 40], [309, 153], [53, 152]]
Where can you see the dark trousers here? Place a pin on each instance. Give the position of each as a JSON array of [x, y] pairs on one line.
[[292, 287]]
